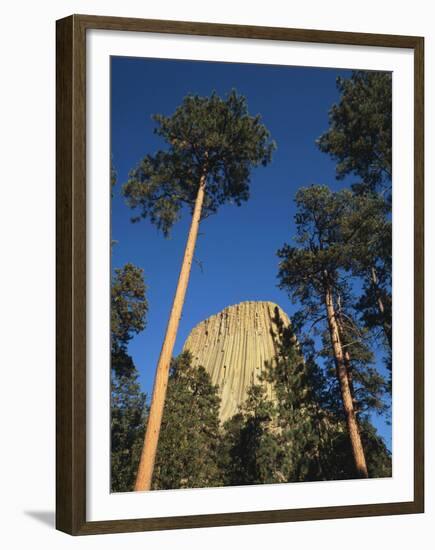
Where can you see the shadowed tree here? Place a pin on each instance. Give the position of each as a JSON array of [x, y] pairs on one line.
[[129, 306], [249, 451], [304, 424], [367, 385], [127, 420], [189, 438], [299, 435], [359, 137], [212, 145], [283, 439], [128, 412], [313, 273], [368, 227]]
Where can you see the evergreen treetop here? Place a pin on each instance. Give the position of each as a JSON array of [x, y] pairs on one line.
[[207, 136], [359, 137], [129, 305]]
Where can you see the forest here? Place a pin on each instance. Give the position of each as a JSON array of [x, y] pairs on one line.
[[335, 268]]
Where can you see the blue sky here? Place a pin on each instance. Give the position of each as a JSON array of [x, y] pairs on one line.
[[237, 246]]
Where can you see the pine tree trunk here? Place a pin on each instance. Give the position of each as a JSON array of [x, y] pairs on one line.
[[348, 364], [347, 361], [343, 379], [381, 307], [149, 450]]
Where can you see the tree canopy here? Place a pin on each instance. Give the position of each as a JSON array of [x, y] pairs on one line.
[[359, 137], [189, 437], [207, 136], [127, 419], [300, 434], [317, 273], [129, 305]]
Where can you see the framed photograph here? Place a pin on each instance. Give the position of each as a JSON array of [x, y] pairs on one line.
[[239, 275]]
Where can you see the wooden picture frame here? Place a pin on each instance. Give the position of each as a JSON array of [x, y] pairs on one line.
[[71, 274]]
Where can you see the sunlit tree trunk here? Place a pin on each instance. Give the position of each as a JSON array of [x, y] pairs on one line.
[[149, 450], [345, 386]]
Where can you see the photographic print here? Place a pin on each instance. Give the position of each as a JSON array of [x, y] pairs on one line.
[[251, 274], [240, 275]]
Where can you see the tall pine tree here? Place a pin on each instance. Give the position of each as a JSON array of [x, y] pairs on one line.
[[359, 137], [367, 227], [313, 274], [213, 144]]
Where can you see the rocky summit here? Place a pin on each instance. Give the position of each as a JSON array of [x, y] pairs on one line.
[[234, 345]]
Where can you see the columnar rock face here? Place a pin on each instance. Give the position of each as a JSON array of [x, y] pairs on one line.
[[233, 347]]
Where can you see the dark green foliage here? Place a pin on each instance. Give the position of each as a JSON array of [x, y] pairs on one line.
[[113, 175], [340, 236], [249, 452], [128, 413], [321, 249], [359, 135], [290, 438], [128, 417], [189, 436], [379, 461], [304, 425], [337, 462], [360, 139], [368, 304], [368, 229], [128, 306], [368, 386], [301, 435], [301, 425], [205, 136], [328, 244]]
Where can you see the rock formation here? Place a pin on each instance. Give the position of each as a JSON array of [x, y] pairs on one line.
[[233, 346]]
